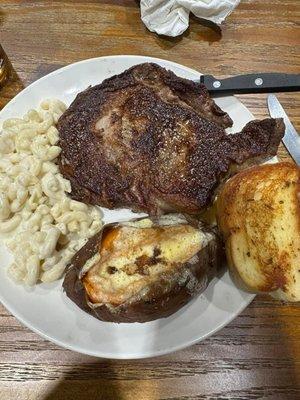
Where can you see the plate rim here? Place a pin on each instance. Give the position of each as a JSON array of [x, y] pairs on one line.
[[68, 66], [130, 356], [74, 347]]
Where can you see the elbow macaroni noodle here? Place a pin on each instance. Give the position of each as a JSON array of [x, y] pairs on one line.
[[42, 226]]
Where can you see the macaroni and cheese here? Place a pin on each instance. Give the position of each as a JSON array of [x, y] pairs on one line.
[[43, 228]]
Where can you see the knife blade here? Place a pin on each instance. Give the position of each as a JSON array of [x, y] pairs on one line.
[[291, 138], [252, 83]]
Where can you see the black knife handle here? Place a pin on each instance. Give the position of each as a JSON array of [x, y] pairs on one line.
[[252, 83]]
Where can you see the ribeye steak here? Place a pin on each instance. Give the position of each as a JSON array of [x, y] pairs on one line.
[[151, 141]]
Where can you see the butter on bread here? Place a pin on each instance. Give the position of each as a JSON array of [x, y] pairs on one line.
[[258, 212]]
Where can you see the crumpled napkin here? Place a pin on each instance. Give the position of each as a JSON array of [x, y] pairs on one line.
[[171, 17]]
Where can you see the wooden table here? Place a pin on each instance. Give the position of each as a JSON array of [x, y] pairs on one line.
[[257, 356]]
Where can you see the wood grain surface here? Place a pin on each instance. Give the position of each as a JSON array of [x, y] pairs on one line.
[[257, 356]]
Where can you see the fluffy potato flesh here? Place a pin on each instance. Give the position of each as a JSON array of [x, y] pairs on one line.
[[131, 258], [259, 215]]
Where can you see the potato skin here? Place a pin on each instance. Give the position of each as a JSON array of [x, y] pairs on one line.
[[162, 299]]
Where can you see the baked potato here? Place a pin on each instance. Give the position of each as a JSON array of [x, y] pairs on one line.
[[258, 213], [142, 270]]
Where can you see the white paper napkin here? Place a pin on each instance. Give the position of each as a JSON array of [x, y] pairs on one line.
[[171, 17]]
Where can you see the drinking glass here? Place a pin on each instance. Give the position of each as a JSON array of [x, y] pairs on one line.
[[4, 67]]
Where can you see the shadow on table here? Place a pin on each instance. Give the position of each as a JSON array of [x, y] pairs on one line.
[[96, 380], [198, 30]]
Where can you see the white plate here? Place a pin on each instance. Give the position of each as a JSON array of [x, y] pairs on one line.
[[45, 308]]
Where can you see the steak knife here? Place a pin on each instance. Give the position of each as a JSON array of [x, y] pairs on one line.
[[252, 83], [291, 138]]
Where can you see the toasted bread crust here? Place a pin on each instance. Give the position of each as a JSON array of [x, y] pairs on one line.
[[259, 216]]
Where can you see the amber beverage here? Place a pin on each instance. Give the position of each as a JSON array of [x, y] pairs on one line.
[[4, 67]]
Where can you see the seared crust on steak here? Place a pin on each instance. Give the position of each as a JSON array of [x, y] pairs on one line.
[[151, 141]]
